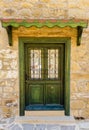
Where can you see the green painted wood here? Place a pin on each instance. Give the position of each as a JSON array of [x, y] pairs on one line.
[[62, 60], [66, 42], [53, 94], [51, 40], [21, 77], [36, 94], [67, 77], [40, 23]]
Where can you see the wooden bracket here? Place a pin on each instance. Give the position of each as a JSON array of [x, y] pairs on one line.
[[9, 31], [79, 35]]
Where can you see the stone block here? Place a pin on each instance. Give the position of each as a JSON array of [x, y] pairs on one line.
[[78, 104], [83, 86], [73, 87], [0, 101], [75, 67], [8, 89], [8, 12], [12, 74], [88, 104], [1, 64], [77, 13], [84, 4], [75, 113], [73, 96], [6, 64], [46, 1], [13, 64], [26, 5], [5, 111], [3, 74], [85, 113], [7, 95], [78, 76], [26, 13]]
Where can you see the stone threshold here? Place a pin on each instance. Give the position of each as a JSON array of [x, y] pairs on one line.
[[66, 120]]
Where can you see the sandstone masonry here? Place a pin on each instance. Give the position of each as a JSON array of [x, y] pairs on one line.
[[9, 56]]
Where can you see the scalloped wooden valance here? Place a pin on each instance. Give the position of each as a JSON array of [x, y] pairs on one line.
[[39, 23]]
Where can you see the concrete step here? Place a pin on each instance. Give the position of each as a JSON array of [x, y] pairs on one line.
[[44, 113]]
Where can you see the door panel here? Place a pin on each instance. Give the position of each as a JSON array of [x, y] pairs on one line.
[[44, 76], [52, 94], [36, 94]]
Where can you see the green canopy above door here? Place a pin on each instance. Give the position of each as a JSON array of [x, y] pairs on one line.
[[39, 23]]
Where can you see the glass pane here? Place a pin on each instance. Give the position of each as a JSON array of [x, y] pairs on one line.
[[35, 63], [53, 63]]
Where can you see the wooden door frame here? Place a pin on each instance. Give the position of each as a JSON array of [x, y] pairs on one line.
[[67, 42]]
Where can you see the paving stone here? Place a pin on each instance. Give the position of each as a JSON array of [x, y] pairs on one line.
[[68, 128], [40, 126], [28, 127], [84, 125], [12, 119], [53, 127], [16, 127]]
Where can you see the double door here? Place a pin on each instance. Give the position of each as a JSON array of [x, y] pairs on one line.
[[44, 76]]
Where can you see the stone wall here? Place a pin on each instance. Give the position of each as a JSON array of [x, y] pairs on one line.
[[80, 77], [9, 61], [8, 76], [44, 9]]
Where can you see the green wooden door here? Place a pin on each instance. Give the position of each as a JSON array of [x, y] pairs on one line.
[[44, 76]]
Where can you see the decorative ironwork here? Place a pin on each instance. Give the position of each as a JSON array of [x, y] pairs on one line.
[[52, 63], [35, 63]]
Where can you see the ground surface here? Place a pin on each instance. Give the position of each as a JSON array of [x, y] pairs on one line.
[[43, 123]]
